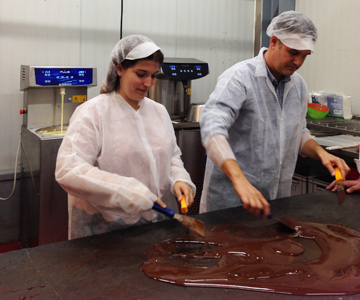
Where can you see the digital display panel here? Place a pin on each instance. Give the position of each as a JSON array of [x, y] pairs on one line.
[[185, 71], [63, 76]]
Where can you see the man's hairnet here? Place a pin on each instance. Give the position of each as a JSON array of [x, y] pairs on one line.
[[131, 47], [294, 29]]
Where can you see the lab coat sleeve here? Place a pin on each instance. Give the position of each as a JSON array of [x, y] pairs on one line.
[[304, 138], [77, 174], [177, 169], [219, 113], [178, 172], [218, 149]]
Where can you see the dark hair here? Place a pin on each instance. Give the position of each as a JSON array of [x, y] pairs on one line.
[[157, 56]]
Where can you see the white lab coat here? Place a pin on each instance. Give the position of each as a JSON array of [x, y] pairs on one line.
[[264, 138], [116, 161]]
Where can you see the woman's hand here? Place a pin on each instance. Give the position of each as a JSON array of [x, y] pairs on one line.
[[159, 202], [332, 186], [182, 188], [349, 185]]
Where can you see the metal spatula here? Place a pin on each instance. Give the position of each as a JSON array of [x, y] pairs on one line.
[[288, 222], [194, 225]]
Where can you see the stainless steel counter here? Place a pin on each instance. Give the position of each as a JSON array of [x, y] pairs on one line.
[[193, 155], [335, 125], [330, 126], [185, 125]]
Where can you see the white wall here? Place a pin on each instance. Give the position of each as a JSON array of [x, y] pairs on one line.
[[83, 32], [51, 32], [218, 32], [334, 67]]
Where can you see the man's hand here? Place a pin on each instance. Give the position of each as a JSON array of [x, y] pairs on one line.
[[253, 200], [331, 161], [314, 150]]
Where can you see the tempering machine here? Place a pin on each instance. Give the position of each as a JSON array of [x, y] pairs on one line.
[[51, 94]]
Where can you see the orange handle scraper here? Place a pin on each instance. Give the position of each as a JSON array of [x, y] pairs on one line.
[[340, 186], [184, 208]]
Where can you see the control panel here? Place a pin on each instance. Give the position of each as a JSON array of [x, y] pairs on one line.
[[39, 76], [183, 69]]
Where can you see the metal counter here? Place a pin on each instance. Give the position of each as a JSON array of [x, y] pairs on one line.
[[336, 125], [330, 126], [43, 203], [107, 266], [193, 155]]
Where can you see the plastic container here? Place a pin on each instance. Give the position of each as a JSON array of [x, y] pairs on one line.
[[317, 111]]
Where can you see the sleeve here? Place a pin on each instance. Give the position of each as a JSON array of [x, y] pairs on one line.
[[218, 115], [77, 174], [305, 136], [177, 169], [218, 149], [178, 172]]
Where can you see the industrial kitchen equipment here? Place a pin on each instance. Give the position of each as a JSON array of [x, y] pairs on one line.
[[173, 89], [51, 94], [173, 85]]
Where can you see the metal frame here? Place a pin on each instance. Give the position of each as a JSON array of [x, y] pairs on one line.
[[265, 11]]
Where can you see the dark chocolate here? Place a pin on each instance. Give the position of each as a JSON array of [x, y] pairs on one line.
[[312, 259]]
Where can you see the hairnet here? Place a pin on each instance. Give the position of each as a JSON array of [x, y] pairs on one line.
[[131, 47], [294, 29]]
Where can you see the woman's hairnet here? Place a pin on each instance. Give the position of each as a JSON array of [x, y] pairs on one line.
[[294, 29], [131, 47]]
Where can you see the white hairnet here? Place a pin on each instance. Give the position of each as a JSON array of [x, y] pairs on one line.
[[131, 47], [294, 29]]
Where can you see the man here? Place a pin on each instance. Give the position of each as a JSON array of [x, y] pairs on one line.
[[253, 126]]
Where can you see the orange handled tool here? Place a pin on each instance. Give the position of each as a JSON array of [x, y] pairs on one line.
[[340, 186], [338, 176], [184, 208]]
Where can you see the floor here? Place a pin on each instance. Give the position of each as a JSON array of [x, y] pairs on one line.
[[11, 246]]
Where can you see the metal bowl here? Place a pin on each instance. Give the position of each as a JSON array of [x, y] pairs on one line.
[[194, 112]]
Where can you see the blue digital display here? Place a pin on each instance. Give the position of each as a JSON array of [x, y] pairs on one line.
[[63, 76]]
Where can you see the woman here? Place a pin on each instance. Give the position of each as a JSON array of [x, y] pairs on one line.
[[119, 154]]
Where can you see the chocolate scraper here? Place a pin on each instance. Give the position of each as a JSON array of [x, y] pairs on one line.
[[340, 186], [194, 225]]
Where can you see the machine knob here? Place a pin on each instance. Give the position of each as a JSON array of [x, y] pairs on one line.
[[23, 111]]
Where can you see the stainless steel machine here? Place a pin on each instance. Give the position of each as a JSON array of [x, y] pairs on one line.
[[173, 85], [173, 90], [51, 94]]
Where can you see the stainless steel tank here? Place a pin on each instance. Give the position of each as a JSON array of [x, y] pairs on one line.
[[173, 95]]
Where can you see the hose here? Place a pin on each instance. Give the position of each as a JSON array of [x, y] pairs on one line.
[[16, 161], [15, 171], [62, 93]]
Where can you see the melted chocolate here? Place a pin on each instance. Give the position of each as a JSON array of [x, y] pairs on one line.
[[312, 259]]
